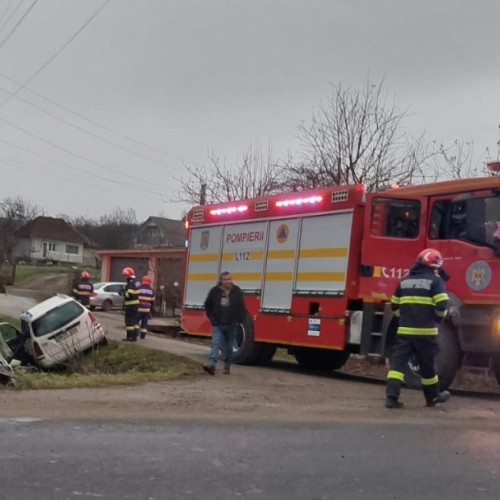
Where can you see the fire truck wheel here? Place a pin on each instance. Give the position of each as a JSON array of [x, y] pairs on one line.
[[320, 359], [248, 352], [496, 367], [447, 361]]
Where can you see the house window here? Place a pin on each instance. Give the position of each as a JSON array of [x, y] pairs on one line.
[[72, 249], [51, 247]]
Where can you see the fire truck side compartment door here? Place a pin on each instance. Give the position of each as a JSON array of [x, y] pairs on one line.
[[280, 264], [243, 253], [203, 264], [323, 254]]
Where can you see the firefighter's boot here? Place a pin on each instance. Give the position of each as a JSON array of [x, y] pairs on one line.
[[393, 403], [442, 397]]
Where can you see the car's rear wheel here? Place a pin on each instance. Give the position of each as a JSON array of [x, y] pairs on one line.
[[107, 305]]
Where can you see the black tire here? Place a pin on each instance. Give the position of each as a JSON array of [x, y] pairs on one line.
[[107, 305], [447, 361], [312, 359], [248, 352], [496, 366]]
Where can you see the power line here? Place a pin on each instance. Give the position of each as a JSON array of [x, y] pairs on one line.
[[4, 13], [11, 14], [89, 120], [85, 130], [76, 155], [58, 51], [42, 168], [14, 28], [77, 169]]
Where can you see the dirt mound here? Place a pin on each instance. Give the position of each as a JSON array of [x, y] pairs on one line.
[[43, 286]]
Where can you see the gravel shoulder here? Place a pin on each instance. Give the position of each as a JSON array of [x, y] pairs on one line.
[[280, 392]]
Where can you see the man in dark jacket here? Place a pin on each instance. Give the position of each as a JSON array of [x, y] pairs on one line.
[[225, 308], [421, 303]]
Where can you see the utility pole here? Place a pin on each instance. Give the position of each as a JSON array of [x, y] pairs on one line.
[[203, 194]]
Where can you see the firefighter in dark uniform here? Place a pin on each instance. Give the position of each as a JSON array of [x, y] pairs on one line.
[[131, 305], [146, 301], [83, 289], [421, 303]]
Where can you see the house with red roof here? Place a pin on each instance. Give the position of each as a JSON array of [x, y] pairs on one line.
[[49, 239]]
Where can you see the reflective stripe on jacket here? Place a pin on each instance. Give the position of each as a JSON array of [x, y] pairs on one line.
[[83, 291], [131, 294], [146, 298], [420, 301]]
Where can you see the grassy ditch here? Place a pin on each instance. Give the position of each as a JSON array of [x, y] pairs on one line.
[[25, 272], [117, 363]]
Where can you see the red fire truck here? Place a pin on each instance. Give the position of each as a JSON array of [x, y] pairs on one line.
[[318, 269]]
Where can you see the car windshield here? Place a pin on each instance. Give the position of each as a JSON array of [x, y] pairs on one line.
[[56, 318]]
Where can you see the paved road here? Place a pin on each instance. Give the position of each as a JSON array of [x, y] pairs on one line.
[[51, 460]]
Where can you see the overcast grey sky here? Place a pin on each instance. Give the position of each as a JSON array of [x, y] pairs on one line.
[[186, 76]]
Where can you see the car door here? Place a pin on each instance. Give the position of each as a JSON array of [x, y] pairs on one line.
[[12, 343], [113, 294], [118, 298]]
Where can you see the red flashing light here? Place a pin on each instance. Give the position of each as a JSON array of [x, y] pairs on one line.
[[311, 200], [186, 224], [229, 210], [359, 187]]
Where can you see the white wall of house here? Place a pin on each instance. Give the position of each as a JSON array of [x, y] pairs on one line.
[[41, 249]]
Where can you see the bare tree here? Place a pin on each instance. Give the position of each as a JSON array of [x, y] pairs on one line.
[[256, 174], [14, 213], [113, 230], [457, 161], [356, 137]]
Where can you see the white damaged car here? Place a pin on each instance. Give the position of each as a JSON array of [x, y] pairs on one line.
[[58, 329]]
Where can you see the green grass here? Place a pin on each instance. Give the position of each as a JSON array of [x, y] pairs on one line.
[[115, 364], [25, 272], [13, 321]]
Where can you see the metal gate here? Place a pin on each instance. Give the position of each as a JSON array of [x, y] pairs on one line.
[[140, 266]]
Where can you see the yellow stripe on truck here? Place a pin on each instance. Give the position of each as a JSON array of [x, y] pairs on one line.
[[313, 253], [241, 255], [204, 257], [320, 276], [279, 276], [281, 254], [246, 276], [202, 277]]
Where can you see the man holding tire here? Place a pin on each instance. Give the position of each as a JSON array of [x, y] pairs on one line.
[[421, 303], [225, 308]]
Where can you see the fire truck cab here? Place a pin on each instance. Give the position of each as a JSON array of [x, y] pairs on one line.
[[318, 269]]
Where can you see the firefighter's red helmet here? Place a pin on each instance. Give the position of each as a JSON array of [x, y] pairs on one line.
[[129, 272], [146, 280], [85, 275], [430, 257]]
